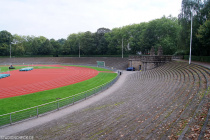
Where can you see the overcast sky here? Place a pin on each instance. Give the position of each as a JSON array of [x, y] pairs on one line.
[[59, 18]]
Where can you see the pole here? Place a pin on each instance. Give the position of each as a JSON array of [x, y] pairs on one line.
[[37, 111], [58, 104], [191, 37], [10, 118], [122, 47], [79, 50], [10, 51]]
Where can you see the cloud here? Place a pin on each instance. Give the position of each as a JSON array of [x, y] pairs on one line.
[[59, 18]]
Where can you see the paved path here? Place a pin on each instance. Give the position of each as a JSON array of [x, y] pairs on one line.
[[58, 114]]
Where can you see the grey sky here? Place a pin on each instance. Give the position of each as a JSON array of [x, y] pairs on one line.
[[59, 18]]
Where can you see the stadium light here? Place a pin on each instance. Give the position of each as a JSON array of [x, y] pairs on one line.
[[79, 50], [191, 9], [10, 50], [13, 42], [122, 47]]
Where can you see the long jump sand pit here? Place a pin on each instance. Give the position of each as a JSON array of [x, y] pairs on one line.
[[26, 82]]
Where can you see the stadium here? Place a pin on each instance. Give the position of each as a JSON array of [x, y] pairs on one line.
[[167, 102]]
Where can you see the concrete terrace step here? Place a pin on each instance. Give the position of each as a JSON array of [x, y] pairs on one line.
[[115, 62]]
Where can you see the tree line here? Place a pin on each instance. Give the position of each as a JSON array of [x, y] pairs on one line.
[[172, 33]]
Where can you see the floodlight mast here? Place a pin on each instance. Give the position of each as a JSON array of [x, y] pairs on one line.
[[191, 10], [191, 38], [79, 50], [13, 42], [122, 47], [10, 51]]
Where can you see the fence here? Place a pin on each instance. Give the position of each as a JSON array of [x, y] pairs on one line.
[[17, 116]]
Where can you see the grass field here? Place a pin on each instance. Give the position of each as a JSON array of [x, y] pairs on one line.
[[5, 68], [30, 100]]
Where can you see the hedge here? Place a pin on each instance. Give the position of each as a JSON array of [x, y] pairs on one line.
[[198, 58]]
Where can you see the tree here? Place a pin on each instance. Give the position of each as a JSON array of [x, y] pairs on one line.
[[100, 41], [125, 35], [41, 47], [204, 37], [74, 40], [103, 31], [46, 48], [161, 32], [200, 10], [87, 44], [56, 47], [136, 37], [35, 47], [5, 42], [18, 48], [61, 41], [114, 41], [27, 44]]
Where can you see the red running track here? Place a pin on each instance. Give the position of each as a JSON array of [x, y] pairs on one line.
[[26, 82]]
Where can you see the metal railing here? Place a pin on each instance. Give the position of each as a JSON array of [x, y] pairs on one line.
[[33, 112]]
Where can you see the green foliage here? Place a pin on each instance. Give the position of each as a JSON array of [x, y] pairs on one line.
[[198, 58], [181, 52], [100, 41], [204, 37], [46, 48], [135, 38], [114, 41], [87, 45], [5, 42], [56, 47], [200, 12], [34, 47], [141, 37], [71, 45], [162, 32]]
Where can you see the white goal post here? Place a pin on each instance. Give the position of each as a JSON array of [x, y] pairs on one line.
[[100, 63]]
